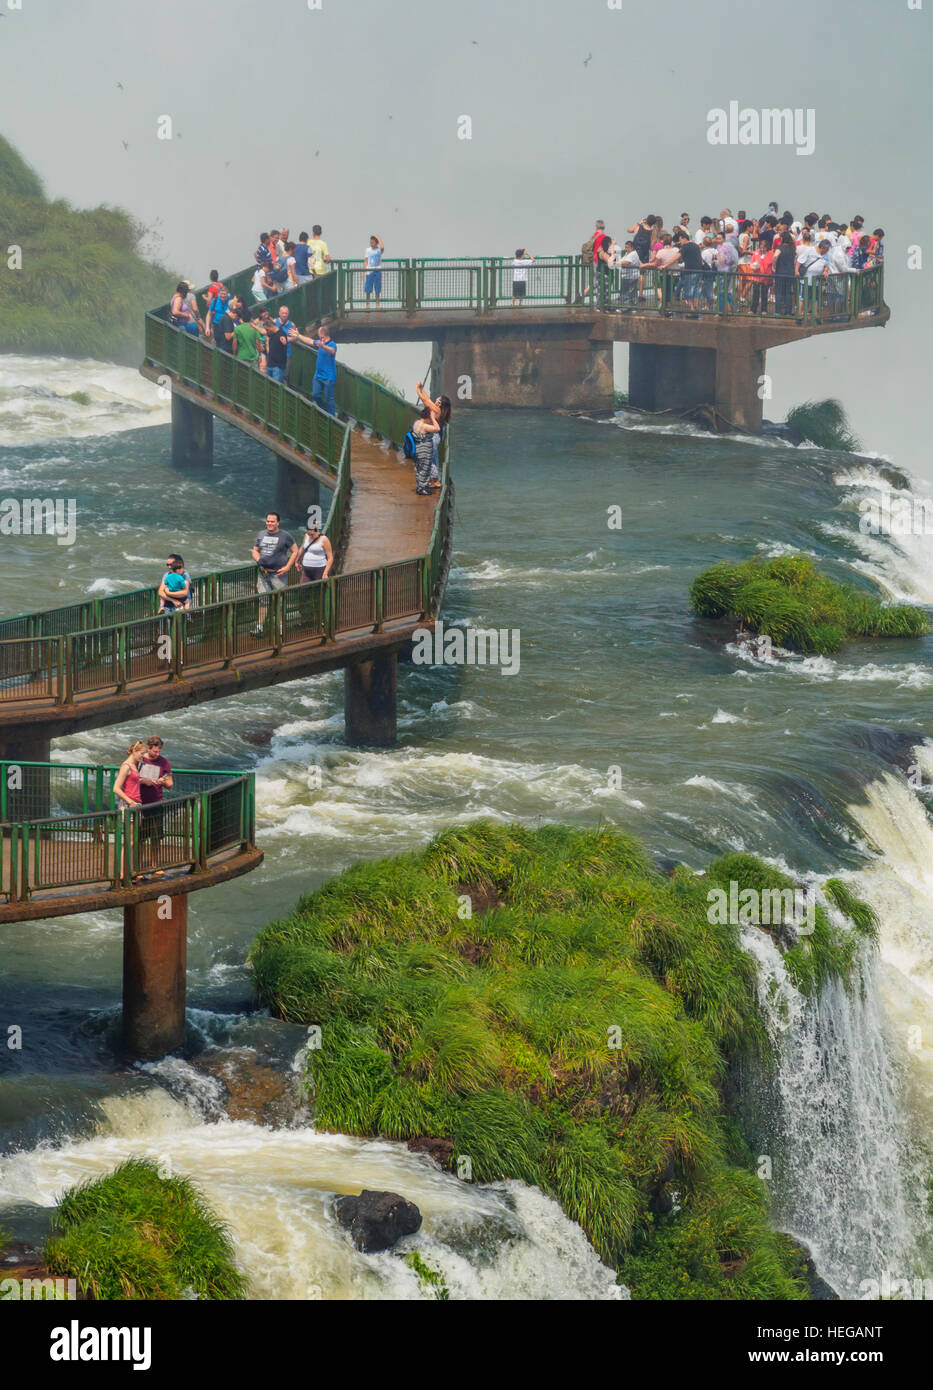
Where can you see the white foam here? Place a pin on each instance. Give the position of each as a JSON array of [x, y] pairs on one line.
[[35, 404]]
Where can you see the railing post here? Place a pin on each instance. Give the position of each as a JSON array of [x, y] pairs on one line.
[[118, 657], [15, 852], [330, 609], [203, 837], [68, 674], [228, 645], [380, 579], [177, 640]]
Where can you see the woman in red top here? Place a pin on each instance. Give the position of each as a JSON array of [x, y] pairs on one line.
[[126, 788], [760, 269]]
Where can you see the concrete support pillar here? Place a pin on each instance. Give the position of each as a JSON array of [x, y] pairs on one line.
[[662, 377], [370, 702], [192, 434], [28, 789], [25, 745], [155, 950], [295, 492], [737, 391], [563, 370]]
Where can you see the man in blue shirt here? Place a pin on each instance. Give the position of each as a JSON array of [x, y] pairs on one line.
[[302, 268], [325, 374], [263, 254]]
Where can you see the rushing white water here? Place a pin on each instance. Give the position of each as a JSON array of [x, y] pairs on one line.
[[901, 563], [274, 1189], [840, 1166], [851, 1101], [899, 885], [38, 399]]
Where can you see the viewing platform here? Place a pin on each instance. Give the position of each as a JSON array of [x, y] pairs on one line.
[[553, 350], [69, 845]]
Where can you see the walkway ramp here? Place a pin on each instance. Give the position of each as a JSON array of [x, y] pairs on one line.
[[389, 522]]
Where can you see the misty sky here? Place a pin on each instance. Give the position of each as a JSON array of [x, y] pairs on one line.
[[347, 115]]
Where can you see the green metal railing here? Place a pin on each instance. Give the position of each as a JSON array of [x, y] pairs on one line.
[[62, 827], [483, 284], [104, 645]]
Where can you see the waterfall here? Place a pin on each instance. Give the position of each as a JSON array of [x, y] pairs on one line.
[[843, 1115]]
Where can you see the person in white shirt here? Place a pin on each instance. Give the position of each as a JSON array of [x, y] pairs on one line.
[[373, 258], [838, 259], [630, 275], [706, 229], [523, 259], [806, 253], [729, 227]]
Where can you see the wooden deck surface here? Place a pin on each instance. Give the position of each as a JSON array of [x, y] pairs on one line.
[[388, 520]]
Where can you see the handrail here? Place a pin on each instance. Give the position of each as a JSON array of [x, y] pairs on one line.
[[49, 846], [104, 644]]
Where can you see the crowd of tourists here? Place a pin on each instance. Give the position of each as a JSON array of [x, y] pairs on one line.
[[774, 259]]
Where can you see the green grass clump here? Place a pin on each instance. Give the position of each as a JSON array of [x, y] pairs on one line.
[[83, 288], [790, 601], [824, 424], [430, 1280], [136, 1235], [820, 952], [563, 1014]]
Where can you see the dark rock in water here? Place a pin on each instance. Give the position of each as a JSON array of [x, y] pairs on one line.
[[259, 737], [893, 477], [376, 1220], [253, 1091], [820, 1291], [441, 1150], [781, 431]]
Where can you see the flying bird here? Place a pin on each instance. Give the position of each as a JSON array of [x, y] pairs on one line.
[[587, 61], [316, 153], [125, 145], [120, 85], [475, 43]]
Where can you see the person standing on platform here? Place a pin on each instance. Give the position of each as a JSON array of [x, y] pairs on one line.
[[324, 383], [424, 428], [320, 256], [126, 792], [250, 343], [155, 776], [373, 258], [302, 259], [274, 552], [279, 337], [316, 555], [523, 259]]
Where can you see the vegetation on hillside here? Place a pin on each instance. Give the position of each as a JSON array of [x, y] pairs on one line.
[[83, 288], [790, 601], [823, 423], [562, 1013], [136, 1235]]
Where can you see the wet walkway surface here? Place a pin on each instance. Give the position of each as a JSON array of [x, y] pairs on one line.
[[388, 520]]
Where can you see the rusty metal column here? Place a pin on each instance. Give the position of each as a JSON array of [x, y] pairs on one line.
[[370, 702], [192, 434], [155, 951]]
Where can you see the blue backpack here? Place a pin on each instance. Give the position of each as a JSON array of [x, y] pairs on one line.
[[410, 445]]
